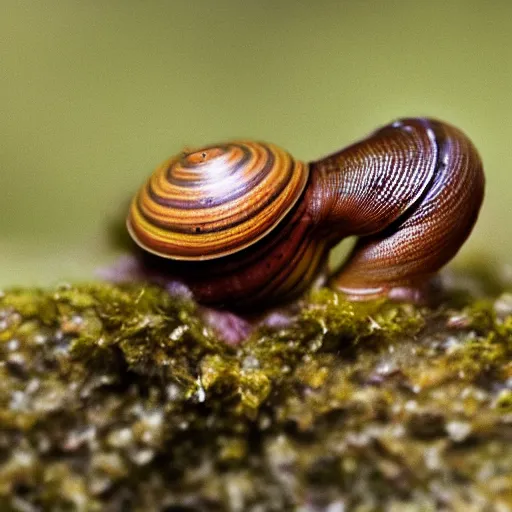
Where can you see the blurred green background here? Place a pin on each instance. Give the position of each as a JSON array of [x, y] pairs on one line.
[[94, 94]]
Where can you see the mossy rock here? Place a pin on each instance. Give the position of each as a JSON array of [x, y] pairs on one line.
[[120, 398]]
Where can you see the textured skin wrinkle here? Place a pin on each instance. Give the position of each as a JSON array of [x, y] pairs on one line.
[[411, 192], [429, 234]]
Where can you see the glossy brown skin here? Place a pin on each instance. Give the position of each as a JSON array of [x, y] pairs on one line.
[[411, 192]]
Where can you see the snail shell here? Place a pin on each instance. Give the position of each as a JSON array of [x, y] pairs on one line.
[[215, 201], [252, 226]]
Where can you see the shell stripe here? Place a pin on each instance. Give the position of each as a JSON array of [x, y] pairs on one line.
[[202, 208], [231, 217], [307, 254]]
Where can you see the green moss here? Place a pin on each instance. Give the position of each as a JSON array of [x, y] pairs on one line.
[[120, 398]]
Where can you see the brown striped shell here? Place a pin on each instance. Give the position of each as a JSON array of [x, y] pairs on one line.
[[215, 201]]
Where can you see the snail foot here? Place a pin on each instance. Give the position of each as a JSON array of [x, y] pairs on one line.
[[234, 328], [125, 268], [230, 327], [425, 293], [130, 269]]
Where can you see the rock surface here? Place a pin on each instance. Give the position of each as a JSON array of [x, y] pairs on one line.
[[120, 398]]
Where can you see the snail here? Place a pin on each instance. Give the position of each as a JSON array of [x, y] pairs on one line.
[[244, 224]]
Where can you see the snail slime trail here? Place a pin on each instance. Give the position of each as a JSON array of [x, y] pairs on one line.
[[244, 224]]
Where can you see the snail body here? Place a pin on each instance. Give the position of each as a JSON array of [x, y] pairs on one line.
[[244, 224]]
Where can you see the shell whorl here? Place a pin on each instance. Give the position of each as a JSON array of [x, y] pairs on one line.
[[216, 200]]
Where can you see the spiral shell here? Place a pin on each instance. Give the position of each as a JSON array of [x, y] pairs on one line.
[[215, 201], [410, 191]]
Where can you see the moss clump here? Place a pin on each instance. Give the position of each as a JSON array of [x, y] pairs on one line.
[[120, 398]]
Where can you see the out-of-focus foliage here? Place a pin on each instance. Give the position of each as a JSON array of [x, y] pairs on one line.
[[93, 95]]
